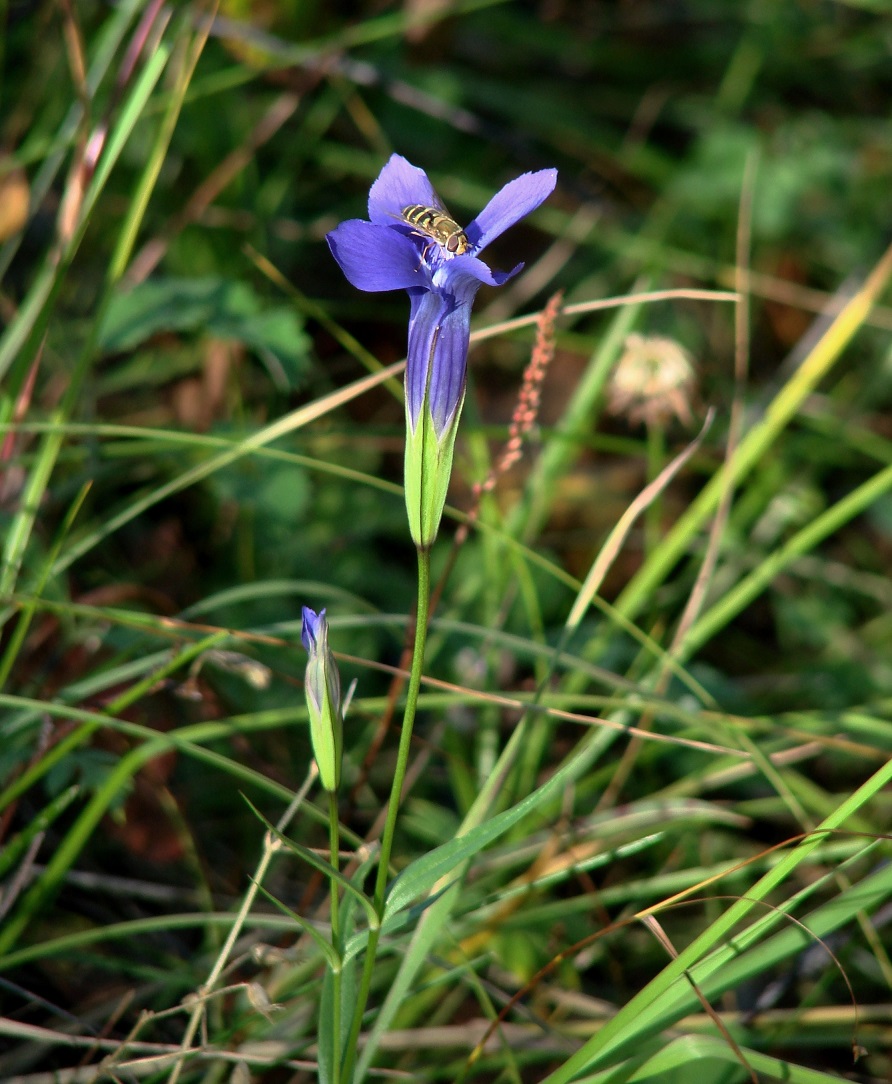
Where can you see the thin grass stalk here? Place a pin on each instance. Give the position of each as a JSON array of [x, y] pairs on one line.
[[734, 601], [634, 1018], [24, 332], [758, 440], [271, 846]]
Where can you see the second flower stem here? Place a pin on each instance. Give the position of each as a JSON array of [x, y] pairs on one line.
[[334, 849], [399, 776]]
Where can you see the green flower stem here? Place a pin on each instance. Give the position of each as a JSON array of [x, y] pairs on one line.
[[402, 763], [334, 844]]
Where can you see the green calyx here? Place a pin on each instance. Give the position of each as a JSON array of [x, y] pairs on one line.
[[323, 689], [428, 469]]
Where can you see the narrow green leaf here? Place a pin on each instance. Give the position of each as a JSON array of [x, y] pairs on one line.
[[327, 948], [48, 280], [318, 862], [690, 1051], [639, 1015], [16, 847], [393, 922], [325, 1030], [424, 872], [733, 964]]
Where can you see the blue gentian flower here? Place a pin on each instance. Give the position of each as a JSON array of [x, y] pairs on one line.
[[322, 684], [412, 243], [387, 253]]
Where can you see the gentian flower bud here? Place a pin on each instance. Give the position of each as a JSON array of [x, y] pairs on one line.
[[323, 688]]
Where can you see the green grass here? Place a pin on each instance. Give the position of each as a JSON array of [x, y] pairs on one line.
[[648, 806]]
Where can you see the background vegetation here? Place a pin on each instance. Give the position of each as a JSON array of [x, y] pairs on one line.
[[188, 458]]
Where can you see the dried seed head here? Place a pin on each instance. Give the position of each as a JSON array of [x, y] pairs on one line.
[[653, 381]]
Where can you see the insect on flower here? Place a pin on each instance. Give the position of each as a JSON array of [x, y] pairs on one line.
[[436, 224], [408, 220], [412, 243]]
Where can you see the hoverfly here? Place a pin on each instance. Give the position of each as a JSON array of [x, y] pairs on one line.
[[437, 225]]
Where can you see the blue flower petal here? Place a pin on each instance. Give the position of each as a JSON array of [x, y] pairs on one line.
[[439, 332], [311, 626], [375, 258], [399, 185], [510, 205], [464, 274]]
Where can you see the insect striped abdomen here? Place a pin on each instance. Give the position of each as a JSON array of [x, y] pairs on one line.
[[438, 226]]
